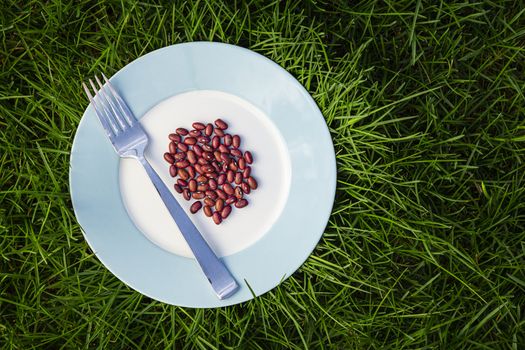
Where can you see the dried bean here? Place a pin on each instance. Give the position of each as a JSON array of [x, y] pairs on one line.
[[182, 183], [195, 133], [183, 147], [236, 153], [207, 148], [226, 212], [221, 193], [198, 169], [230, 176], [182, 164], [195, 207], [247, 171], [174, 137], [212, 175], [228, 188], [219, 123], [208, 130], [215, 141], [198, 126], [208, 212], [241, 203], [190, 140], [236, 142], [198, 195], [209, 202], [202, 161], [217, 155], [224, 149], [186, 194], [227, 140], [178, 189], [238, 192], [252, 183], [233, 166], [191, 171], [231, 200], [202, 187], [212, 194], [242, 164], [217, 218], [192, 185], [219, 132], [219, 204], [213, 184], [172, 147], [207, 168], [207, 155], [238, 178], [182, 131], [198, 150], [248, 157], [183, 174], [221, 179], [245, 188], [192, 157], [202, 179], [169, 158], [179, 156], [173, 170]]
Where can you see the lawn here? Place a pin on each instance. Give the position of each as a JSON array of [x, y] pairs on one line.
[[425, 246]]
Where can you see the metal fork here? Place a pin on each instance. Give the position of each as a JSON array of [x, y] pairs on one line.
[[129, 140]]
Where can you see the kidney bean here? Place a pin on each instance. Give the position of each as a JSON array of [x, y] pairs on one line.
[[191, 171], [192, 185], [213, 184], [207, 147], [217, 155], [192, 157], [209, 202], [174, 137], [173, 170], [241, 203], [198, 126], [225, 212], [186, 194], [227, 140], [195, 207], [179, 156], [230, 176], [183, 147], [248, 157], [236, 142], [182, 131], [219, 132], [252, 183], [183, 174], [207, 168], [195, 133], [238, 178], [202, 179], [212, 194], [198, 195], [224, 167], [172, 147], [221, 124], [219, 204], [202, 187], [224, 149], [215, 141], [182, 164], [207, 156], [190, 140], [231, 200], [221, 193], [228, 188], [169, 158], [178, 189], [217, 218], [233, 166], [208, 130], [247, 171], [208, 212], [221, 179], [182, 183], [245, 188], [225, 158], [238, 192], [241, 163], [236, 153], [212, 175], [203, 139], [199, 169], [198, 150]]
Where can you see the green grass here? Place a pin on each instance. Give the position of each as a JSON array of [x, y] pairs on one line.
[[425, 246]]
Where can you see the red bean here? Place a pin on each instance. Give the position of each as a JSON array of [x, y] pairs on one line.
[[207, 148], [226, 212], [169, 158], [202, 179], [192, 157], [182, 131], [174, 137], [208, 212], [245, 188], [182, 183], [221, 193], [252, 183], [209, 202], [213, 184], [178, 189], [190, 140], [179, 156], [183, 174], [238, 178], [225, 157], [247, 171], [241, 163], [224, 149], [198, 169], [230, 176], [219, 204], [221, 179], [172, 147], [203, 187], [183, 147], [217, 218], [207, 155], [195, 207], [173, 170], [238, 192], [215, 141], [191, 171], [212, 175], [208, 130], [227, 140], [212, 194], [192, 185], [231, 200], [224, 167], [236, 153], [182, 164], [233, 166], [228, 188], [198, 150], [207, 168], [236, 142], [219, 132], [195, 133], [202, 161], [198, 195], [217, 155], [219, 123], [203, 139], [248, 157], [198, 126], [186, 194], [241, 203]]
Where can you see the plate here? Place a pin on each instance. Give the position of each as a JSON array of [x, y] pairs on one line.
[[126, 224]]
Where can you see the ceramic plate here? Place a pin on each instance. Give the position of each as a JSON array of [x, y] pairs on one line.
[[125, 222]]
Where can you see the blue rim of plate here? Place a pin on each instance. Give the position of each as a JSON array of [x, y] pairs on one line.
[[177, 280]]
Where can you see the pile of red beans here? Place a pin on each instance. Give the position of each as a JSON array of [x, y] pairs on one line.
[[210, 168]]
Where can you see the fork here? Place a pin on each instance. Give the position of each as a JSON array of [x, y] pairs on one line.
[[130, 140]]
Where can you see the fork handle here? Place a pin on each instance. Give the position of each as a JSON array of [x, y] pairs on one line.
[[218, 275]]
